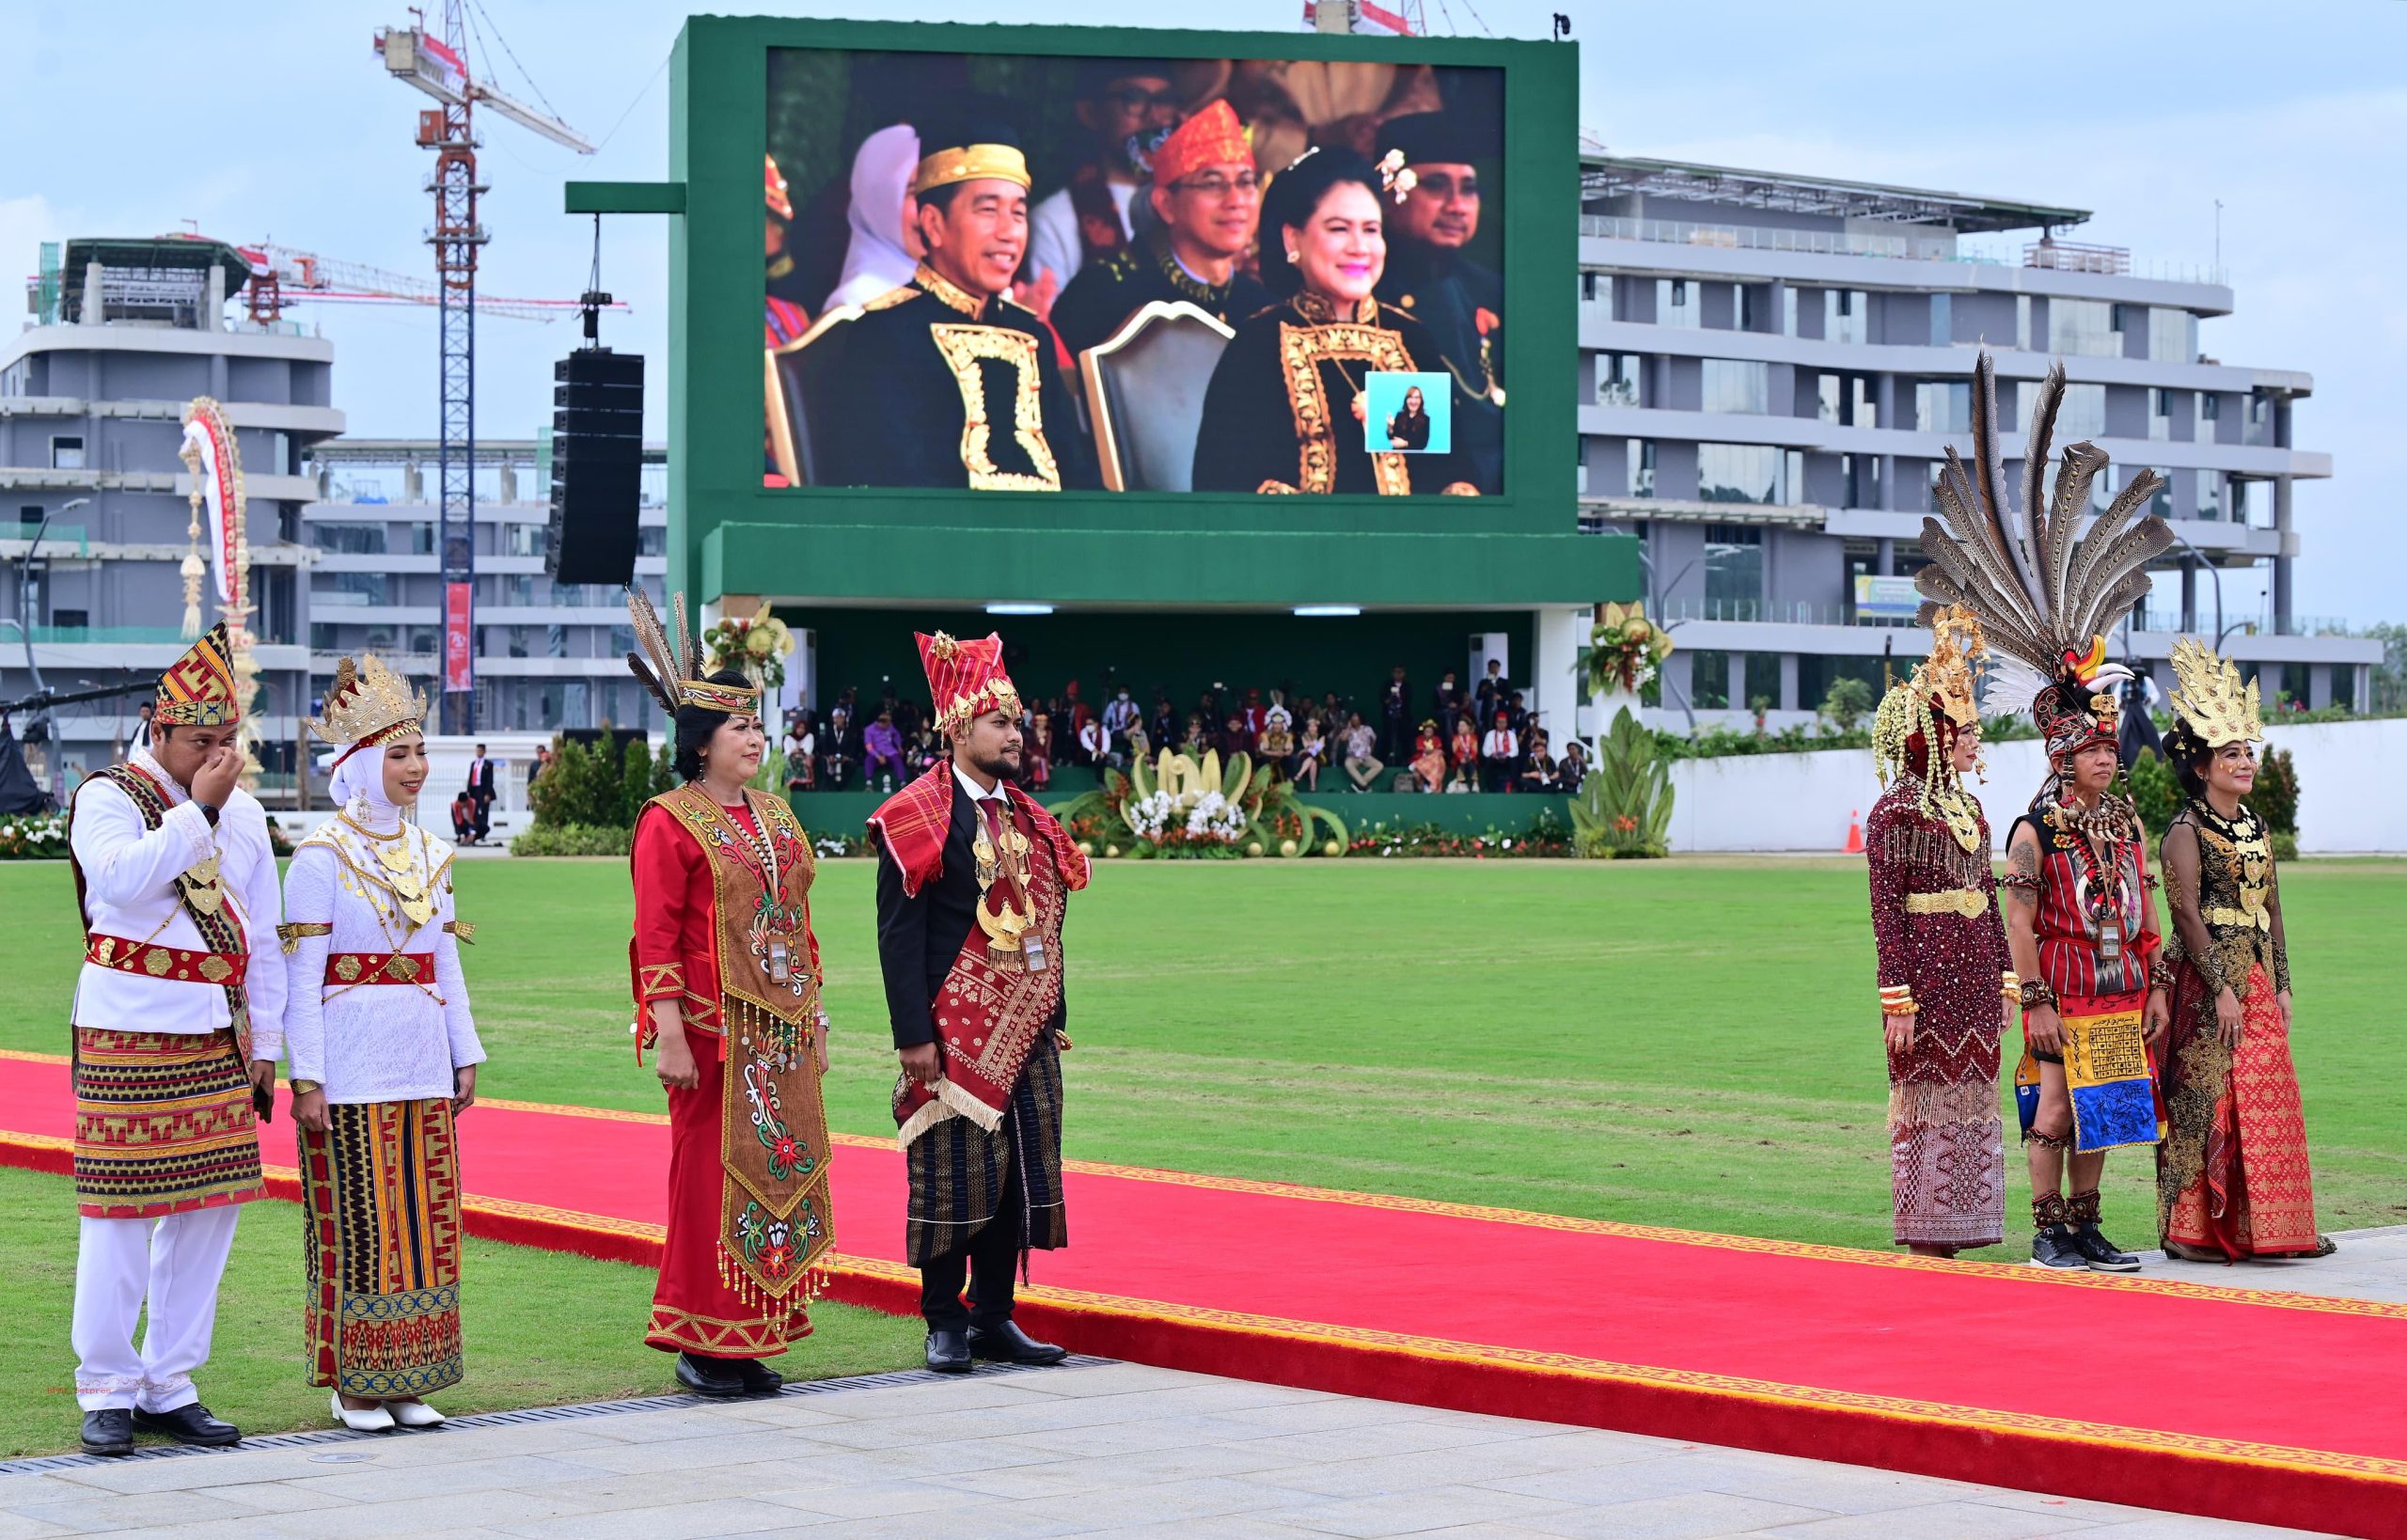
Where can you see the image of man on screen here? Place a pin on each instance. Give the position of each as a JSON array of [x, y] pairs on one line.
[[945, 381], [1088, 220], [1201, 210], [1458, 299]]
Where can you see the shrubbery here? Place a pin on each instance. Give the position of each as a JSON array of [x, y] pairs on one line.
[[571, 839], [585, 800]]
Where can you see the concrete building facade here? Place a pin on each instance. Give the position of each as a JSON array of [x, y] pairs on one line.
[[1771, 367]]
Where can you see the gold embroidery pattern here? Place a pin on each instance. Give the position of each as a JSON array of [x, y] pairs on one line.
[[663, 979], [1302, 352], [946, 292], [291, 934], [963, 348]]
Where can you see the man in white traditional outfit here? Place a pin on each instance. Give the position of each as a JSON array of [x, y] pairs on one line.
[[384, 1055], [179, 1018]]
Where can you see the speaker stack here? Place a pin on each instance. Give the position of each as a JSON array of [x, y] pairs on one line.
[[597, 467]]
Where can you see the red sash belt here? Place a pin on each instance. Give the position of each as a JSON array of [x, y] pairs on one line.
[[172, 962], [380, 967]]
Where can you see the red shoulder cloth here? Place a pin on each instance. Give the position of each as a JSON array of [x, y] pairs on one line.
[[913, 823]]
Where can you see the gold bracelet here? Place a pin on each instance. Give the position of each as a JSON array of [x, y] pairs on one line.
[[1897, 1001], [302, 1088], [2010, 985]]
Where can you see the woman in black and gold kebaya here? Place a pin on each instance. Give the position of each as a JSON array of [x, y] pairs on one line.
[[1285, 409]]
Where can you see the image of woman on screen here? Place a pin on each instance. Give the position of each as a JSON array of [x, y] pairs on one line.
[[1285, 411], [1408, 430]]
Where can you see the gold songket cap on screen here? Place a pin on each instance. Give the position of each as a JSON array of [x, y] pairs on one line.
[[970, 163]]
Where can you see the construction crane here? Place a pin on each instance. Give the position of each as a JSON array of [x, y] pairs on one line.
[[281, 276], [438, 65]]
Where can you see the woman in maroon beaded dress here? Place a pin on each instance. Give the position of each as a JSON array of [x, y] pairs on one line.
[[1945, 988]]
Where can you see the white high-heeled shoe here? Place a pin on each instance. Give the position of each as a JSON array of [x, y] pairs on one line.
[[374, 1419], [414, 1414]]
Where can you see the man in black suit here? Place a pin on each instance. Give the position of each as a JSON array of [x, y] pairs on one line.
[[972, 876], [1395, 710], [482, 788]]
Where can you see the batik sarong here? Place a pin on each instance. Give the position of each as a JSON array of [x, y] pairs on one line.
[[382, 1190], [2232, 1175], [163, 1123]]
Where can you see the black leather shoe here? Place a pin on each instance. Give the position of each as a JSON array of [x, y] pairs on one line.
[[190, 1424], [2100, 1255], [2053, 1246], [758, 1379], [709, 1376], [108, 1431], [1008, 1343], [949, 1352]]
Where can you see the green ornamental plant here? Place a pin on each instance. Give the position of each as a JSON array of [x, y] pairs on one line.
[[2155, 792], [1624, 810], [1849, 702], [2274, 797]]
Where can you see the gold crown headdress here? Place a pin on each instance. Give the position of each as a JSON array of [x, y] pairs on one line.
[[672, 674], [2211, 701], [369, 706], [1943, 687]]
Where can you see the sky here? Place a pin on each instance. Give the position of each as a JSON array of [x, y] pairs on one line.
[[280, 124]]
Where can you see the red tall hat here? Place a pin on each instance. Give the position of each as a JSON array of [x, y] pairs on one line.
[[1214, 137], [198, 689], [966, 679]]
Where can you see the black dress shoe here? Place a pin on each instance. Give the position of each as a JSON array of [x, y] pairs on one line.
[[758, 1379], [709, 1376], [108, 1431], [190, 1424], [949, 1352], [1008, 1343]]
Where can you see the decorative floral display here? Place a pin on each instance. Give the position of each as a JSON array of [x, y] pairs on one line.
[[1626, 650], [1546, 836], [757, 646], [1181, 808], [34, 838]]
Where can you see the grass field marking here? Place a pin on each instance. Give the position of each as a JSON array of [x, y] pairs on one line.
[[1731, 1386]]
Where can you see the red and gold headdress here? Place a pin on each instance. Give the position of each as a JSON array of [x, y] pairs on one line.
[[673, 673], [1212, 137], [198, 689], [774, 182], [1916, 725], [369, 705], [966, 679]]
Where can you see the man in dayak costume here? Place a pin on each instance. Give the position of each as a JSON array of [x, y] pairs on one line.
[[972, 877], [179, 1018], [727, 984], [2080, 913], [945, 383]]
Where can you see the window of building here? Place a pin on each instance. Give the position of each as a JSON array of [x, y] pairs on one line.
[[2210, 495], [1596, 294], [355, 588], [1944, 406], [1844, 311], [1616, 379], [322, 637], [2172, 335], [1817, 671], [1734, 569], [1642, 467], [349, 538], [66, 451], [1710, 680], [1847, 399], [1787, 310], [70, 620], [2082, 328], [2160, 503], [1735, 385], [2083, 414], [1763, 681], [518, 588], [2256, 428], [523, 540], [519, 636], [1677, 303], [652, 539], [2160, 414], [1742, 473], [1942, 321], [555, 641]]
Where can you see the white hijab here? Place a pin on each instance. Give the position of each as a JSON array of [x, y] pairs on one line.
[[357, 788], [877, 259]]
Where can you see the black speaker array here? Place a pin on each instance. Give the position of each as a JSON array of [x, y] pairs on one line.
[[597, 467]]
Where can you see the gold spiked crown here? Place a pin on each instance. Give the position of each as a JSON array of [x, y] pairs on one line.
[[367, 705], [1957, 647], [2211, 700]]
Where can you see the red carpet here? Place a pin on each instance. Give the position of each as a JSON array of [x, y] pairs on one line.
[[2285, 1409]]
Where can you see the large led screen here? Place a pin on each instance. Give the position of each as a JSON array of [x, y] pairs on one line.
[[1027, 273]]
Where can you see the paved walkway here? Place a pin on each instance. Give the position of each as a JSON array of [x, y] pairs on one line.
[[1091, 1448]]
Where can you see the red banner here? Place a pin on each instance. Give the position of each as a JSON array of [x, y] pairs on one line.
[[459, 654]]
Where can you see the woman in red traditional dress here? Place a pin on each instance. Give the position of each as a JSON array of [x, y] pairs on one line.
[[727, 979], [2232, 1176]]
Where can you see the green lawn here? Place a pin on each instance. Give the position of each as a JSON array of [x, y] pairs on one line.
[[1689, 1042], [541, 1330]]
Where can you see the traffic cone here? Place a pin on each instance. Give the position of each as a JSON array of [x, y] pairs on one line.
[[1854, 834]]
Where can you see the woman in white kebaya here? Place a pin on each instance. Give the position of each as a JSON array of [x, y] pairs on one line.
[[384, 1054]]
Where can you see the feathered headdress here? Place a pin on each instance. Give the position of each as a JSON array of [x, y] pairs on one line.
[[2046, 595], [673, 673]]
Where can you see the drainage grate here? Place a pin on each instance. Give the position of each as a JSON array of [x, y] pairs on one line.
[[530, 1414]]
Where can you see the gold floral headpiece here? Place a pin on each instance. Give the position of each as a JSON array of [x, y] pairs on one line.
[[368, 706], [2210, 701], [1950, 674]]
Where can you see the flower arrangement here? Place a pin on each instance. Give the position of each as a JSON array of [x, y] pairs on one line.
[[34, 836], [756, 645], [1190, 809], [1546, 836], [1626, 650]]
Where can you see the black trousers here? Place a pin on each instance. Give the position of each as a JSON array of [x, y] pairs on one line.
[[987, 1264]]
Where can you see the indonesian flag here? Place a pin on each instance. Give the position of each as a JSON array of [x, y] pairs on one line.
[[217, 466]]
